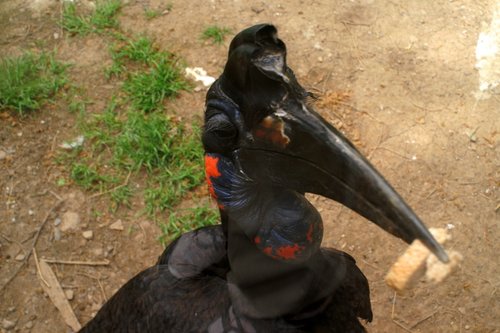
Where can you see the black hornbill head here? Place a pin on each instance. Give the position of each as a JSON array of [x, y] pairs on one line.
[[257, 120]]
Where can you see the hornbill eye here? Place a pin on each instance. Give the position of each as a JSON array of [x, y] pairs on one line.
[[219, 134]]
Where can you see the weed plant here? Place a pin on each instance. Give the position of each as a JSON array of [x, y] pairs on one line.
[[26, 82], [102, 18], [215, 33], [186, 220]]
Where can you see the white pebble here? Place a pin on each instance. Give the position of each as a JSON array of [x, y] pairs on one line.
[[89, 234]]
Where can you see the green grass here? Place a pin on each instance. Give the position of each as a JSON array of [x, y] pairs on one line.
[[74, 22], [150, 13], [26, 82], [169, 156], [152, 75], [140, 49], [122, 196], [148, 89], [184, 221], [136, 50], [134, 147], [89, 177], [154, 143], [215, 33], [102, 18]]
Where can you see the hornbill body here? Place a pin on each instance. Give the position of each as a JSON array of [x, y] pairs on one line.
[[262, 269]]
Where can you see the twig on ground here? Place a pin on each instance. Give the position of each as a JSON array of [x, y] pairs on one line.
[[102, 290], [37, 264], [402, 326], [57, 196], [425, 108], [393, 316], [393, 304], [111, 190], [35, 239], [370, 265], [396, 153], [424, 319], [71, 262], [6, 238], [357, 23], [39, 194], [105, 298], [58, 297], [30, 236]]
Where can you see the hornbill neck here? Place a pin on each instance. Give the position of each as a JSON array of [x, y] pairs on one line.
[[274, 235]]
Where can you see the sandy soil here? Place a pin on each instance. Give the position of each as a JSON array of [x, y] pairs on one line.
[[402, 84]]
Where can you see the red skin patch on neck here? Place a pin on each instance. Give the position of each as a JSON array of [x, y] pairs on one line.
[[211, 168], [288, 252], [212, 171], [268, 250]]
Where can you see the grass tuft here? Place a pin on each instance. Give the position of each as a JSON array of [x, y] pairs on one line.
[[73, 22], [148, 89], [102, 18], [158, 75], [154, 13], [215, 33], [171, 155], [29, 80], [105, 13], [184, 221], [133, 136], [89, 177]]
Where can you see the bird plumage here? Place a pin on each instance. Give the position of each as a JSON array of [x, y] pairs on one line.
[[157, 301], [262, 269]]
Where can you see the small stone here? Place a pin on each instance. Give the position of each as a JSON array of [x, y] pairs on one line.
[[29, 325], [118, 225], [88, 234], [256, 10], [98, 251], [467, 327], [31, 212], [57, 234], [70, 221], [57, 221], [8, 324], [69, 294], [56, 35], [20, 257], [2, 155]]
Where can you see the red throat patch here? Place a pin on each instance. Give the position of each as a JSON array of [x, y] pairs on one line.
[[211, 171], [288, 252]]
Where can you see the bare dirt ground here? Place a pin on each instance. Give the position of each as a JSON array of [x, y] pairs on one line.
[[403, 86]]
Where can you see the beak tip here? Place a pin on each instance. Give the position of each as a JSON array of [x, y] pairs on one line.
[[443, 256]]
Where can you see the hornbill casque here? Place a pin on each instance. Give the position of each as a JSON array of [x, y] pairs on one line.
[[262, 269]]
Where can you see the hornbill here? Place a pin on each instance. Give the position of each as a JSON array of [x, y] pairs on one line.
[[262, 269]]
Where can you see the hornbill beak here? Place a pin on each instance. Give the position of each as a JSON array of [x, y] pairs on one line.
[[288, 144]]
